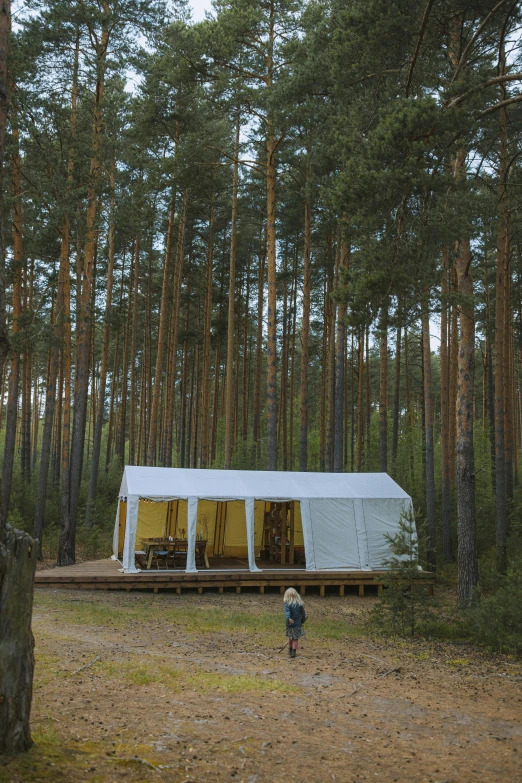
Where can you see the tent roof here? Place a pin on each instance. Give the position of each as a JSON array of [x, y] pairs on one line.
[[165, 483]]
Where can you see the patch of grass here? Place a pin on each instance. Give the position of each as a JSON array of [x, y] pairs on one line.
[[457, 662], [422, 656], [193, 620], [48, 759], [138, 672]]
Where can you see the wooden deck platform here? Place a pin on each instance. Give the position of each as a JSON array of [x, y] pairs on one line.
[[232, 574]]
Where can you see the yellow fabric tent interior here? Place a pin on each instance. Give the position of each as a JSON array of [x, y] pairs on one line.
[[221, 524]]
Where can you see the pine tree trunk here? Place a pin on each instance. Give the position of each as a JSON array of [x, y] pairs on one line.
[[490, 389], [175, 320], [17, 567], [331, 372], [453, 362], [14, 374], [468, 574], [207, 334], [271, 338], [67, 543], [500, 349], [184, 382], [324, 379], [162, 331], [259, 345], [229, 380], [368, 401], [447, 554], [340, 352], [305, 332], [360, 400], [428, 418], [508, 369], [45, 456], [17, 551], [57, 444], [100, 413], [383, 391], [134, 354], [244, 382], [292, 358], [396, 399]]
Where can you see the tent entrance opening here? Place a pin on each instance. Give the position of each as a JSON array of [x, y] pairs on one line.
[[281, 538]]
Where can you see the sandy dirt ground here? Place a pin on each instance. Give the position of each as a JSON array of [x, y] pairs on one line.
[[141, 687]]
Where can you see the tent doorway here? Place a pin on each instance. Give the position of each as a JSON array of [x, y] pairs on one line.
[[281, 537]]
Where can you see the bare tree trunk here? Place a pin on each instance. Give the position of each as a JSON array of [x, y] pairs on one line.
[[468, 574], [340, 354], [100, 414], [259, 345], [45, 457], [447, 554], [292, 358], [229, 381], [17, 567], [500, 348], [14, 375], [305, 332], [17, 550], [428, 414], [331, 372], [244, 382], [162, 331], [383, 391], [134, 351], [175, 320], [67, 543], [360, 400], [207, 334], [453, 363], [368, 401], [271, 339], [396, 399]]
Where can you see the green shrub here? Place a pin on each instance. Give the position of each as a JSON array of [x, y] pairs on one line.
[[404, 601], [496, 620]]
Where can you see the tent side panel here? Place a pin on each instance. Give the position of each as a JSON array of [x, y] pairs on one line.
[[129, 546], [152, 520], [334, 534], [308, 533], [362, 537], [382, 517], [236, 544], [122, 520]]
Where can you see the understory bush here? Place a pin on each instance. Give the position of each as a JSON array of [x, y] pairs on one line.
[[405, 604], [495, 620]]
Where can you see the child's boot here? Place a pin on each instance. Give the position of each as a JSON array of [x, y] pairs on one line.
[[293, 653], [290, 651]]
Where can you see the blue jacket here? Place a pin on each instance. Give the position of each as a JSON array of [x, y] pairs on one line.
[[295, 612]]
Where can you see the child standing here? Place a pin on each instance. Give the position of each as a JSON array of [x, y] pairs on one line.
[[295, 617]]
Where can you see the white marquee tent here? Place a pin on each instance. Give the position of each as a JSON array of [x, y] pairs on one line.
[[343, 516]]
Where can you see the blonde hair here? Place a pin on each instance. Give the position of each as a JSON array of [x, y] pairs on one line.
[[292, 597]]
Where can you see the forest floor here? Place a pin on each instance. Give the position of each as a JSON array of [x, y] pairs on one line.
[[142, 687]]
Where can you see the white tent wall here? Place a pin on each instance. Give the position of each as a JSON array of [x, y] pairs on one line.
[[381, 517], [129, 547], [344, 516]]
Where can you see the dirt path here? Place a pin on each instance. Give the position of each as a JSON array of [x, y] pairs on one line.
[[168, 688]]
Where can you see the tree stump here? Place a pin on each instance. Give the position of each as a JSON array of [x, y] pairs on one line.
[[18, 553]]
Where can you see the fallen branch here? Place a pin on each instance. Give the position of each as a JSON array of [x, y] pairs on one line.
[[364, 655], [86, 666], [390, 671], [349, 695]]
